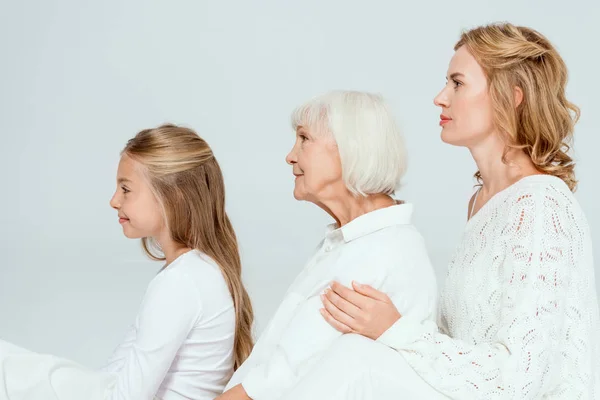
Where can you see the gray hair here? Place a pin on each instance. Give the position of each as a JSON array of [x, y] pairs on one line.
[[371, 146]]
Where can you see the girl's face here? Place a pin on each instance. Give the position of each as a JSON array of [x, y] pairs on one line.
[[140, 213]]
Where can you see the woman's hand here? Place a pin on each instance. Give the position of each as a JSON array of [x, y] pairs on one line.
[[235, 393], [364, 310]]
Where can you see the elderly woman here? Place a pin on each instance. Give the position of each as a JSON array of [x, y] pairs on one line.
[[348, 159]]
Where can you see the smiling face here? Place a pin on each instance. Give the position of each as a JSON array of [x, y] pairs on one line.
[[139, 212], [317, 166], [467, 112]]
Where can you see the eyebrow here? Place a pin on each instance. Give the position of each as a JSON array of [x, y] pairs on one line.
[[124, 180], [456, 75]]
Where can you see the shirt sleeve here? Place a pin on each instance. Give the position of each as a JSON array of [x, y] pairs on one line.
[[308, 335], [169, 310], [116, 360], [519, 360]]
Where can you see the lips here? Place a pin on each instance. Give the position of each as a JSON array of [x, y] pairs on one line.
[[444, 119]]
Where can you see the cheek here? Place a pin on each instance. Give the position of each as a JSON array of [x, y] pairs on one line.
[[154, 216], [482, 107], [146, 216], [324, 169], [473, 115]]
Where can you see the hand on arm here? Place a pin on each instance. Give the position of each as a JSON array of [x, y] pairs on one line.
[[364, 310]]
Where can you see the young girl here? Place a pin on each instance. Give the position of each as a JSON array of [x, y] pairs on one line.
[[194, 324]]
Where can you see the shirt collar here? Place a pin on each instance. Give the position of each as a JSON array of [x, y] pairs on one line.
[[373, 221]]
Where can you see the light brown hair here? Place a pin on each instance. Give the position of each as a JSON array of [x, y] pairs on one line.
[[542, 125], [187, 181]]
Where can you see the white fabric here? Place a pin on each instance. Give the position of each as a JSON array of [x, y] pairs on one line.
[[519, 312], [381, 248], [180, 346], [25, 375], [357, 368]]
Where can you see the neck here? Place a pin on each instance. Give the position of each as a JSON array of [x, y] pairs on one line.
[[170, 248], [496, 174], [347, 207]]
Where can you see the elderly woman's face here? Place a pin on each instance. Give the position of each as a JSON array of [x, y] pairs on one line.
[[316, 164]]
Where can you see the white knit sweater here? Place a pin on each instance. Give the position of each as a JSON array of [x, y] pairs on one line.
[[519, 312]]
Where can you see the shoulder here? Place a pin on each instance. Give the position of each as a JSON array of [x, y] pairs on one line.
[[387, 260], [542, 193], [193, 276], [194, 266], [171, 285], [170, 296], [390, 240], [545, 227], [193, 285], [397, 247], [546, 205]]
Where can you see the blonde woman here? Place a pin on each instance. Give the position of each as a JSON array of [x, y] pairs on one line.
[[193, 328], [519, 311]]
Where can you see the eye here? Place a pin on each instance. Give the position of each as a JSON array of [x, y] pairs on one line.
[[457, 84], [125, 190], [303, 138]]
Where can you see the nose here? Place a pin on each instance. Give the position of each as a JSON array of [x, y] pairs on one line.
[[291, 158], [441, 100], [115, 202]]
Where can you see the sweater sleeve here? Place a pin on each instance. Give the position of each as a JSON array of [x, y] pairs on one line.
[[519, 360]]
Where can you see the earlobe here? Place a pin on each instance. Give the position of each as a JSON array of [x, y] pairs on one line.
[[518, 92]]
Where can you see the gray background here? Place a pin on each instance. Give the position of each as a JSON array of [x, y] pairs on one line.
[[79, 78]]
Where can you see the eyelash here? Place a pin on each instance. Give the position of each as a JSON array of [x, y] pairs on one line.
[[457, 84], [303, 138], [125, 190]]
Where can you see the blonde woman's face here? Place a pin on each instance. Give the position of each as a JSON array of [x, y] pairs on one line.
[[467, 115], [139, 212]]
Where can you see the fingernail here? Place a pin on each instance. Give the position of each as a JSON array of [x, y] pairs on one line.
[[322, 297], [357, 284]]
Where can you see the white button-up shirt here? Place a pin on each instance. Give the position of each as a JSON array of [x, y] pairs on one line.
[[382, 249]]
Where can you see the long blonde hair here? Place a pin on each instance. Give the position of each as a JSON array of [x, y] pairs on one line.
[[188, 183], [542, 125]]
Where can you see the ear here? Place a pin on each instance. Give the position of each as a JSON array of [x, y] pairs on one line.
[[518, 93]]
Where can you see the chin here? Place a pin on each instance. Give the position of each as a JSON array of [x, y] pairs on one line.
[[299, 191], [129, 234], [299, 195], [451, 139]]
